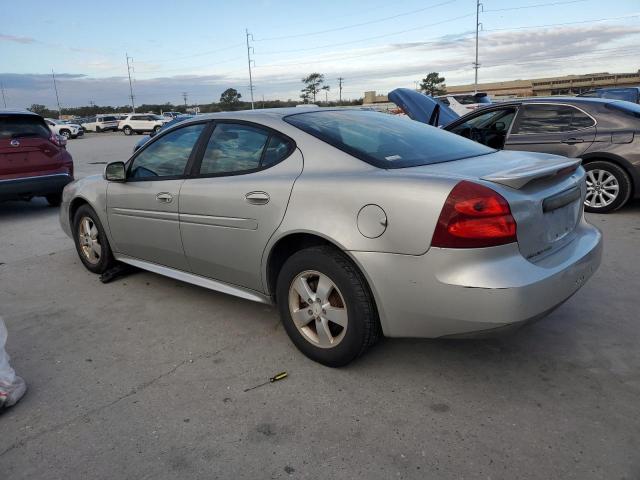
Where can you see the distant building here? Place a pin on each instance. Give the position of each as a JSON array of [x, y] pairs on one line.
[[540, 87]]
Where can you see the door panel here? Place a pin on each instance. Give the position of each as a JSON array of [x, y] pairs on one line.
[[227, 221], [144, 224], [552, 128], [143, 212]]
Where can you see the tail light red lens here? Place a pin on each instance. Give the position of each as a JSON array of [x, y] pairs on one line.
[[474, 216]]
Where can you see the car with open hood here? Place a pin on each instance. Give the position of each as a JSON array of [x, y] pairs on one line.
[[604, 133]]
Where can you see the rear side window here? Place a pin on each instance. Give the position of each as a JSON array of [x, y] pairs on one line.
[[277, 149], [385, 141], [18, 126], [551, 119], [626, 108], [233, 148]]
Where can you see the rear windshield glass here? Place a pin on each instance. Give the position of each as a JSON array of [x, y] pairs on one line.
[[628, 108], [384, 140], [628, 94], [16, 126]]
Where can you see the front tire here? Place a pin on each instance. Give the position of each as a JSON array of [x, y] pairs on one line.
[[127, 130], [156, 129], [66, 134], [91, 241], [608, 187], [326, 307]]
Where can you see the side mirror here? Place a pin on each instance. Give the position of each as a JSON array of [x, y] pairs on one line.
[[115, 172]]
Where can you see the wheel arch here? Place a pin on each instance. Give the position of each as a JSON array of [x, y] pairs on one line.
[[620, 162], [74, 205]]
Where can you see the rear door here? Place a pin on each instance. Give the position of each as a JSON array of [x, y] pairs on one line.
[[143, 211], [552, 128], [26, 149], [236, 201]]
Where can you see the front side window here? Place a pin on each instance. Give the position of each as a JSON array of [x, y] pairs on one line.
[[385, 141], [168, 155], [233, 148], [552, 119]]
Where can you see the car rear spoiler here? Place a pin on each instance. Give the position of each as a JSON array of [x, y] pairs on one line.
[[546, 167]]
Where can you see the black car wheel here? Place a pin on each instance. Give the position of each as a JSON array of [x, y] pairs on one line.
[[326, 306], [127, 130], [91, 241], [608, 187]]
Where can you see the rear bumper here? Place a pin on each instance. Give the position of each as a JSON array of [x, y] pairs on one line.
[[17, 188], [459, 292]]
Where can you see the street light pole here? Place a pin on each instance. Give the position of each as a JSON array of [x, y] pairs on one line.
[[476, 65], [55, 87]]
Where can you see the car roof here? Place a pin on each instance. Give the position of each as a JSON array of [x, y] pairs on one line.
[[10, 111], [574, 100]]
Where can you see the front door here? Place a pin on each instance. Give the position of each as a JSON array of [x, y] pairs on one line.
[[236, 202], [552, 128], [143, 211]]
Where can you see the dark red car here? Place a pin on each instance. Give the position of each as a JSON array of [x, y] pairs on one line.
[[33, 161]]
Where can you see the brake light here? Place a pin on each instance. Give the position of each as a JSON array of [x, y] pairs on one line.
[[55, 139], [474, 216]]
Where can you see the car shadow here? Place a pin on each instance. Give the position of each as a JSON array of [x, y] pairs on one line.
[[36, 207]]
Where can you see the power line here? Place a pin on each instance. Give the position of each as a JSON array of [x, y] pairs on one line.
[[4, 100], [624, 17], [533, 6], [355, 25], [131, 96], [249, 48], [476, 65], [55, 87]]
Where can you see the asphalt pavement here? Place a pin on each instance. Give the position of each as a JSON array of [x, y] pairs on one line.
[[144, 377]]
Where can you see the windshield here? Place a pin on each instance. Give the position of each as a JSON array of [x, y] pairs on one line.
[[383, 140], [157, 117], [16, 126]]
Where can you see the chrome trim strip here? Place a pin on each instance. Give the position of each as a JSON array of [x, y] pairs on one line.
[[156, 215], [229, 222], [204, 282], [37, 177]]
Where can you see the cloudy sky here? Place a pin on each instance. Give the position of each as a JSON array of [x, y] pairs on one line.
[[199, 47]]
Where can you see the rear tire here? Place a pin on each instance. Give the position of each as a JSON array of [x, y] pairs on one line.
[[54, 200], [98, 129], [338, 321], [608, 187], [87, 232], [156, 129]]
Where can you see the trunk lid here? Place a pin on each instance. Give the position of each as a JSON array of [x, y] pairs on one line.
[[422, 108], [545, 193]]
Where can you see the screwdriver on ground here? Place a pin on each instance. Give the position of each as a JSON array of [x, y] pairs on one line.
[[275, 378]]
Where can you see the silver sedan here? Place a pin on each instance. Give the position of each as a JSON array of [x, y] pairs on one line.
[[356, 224]]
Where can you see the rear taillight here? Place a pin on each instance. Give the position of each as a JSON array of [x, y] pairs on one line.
[[56, 140], [474, 216]]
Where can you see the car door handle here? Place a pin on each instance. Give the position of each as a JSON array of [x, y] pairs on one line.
[[164, 197], [572, 140], [257, 198]]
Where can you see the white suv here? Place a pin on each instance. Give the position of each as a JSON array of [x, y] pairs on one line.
[[141, 122], [67, 130], [100, 123]]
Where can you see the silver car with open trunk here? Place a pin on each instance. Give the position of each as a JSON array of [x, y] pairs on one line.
[[356, 223]]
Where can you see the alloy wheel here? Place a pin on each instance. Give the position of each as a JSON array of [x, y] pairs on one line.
[[89, 241], [602, 188], [318, 309]]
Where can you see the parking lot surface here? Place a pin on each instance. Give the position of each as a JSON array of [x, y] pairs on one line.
[[144, 377]]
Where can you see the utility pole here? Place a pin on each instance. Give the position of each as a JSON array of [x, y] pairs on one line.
[[55, 87], [4, 100], [184, 97], [476, 65], [249, 48], [340, 79], [131, 96]]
